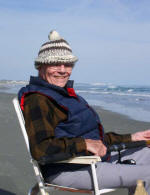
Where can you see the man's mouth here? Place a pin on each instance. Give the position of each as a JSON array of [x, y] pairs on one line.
[[61, 77]]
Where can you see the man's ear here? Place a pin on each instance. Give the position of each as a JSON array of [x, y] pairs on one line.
[[40, 71]]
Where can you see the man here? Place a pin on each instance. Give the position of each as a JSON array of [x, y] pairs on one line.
[[58, 121]]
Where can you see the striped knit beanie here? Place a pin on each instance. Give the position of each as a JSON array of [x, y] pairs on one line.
[[56, 51]]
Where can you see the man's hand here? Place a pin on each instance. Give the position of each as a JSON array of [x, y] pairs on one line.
[[96, 147], [142, 135]]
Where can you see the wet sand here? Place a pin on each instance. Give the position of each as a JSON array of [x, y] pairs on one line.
[[16, 174]]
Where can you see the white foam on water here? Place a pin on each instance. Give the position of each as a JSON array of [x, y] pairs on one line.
[[134, 113]]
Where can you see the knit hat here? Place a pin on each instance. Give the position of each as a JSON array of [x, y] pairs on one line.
[[55, 51]]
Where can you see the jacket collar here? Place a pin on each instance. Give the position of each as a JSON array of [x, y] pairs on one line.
[[39, 81]]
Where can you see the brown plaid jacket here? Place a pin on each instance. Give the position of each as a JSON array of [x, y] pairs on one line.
[[41, 117]]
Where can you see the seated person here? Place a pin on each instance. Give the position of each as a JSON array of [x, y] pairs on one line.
[[60, 122]]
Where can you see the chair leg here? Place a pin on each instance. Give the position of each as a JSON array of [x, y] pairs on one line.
[[34, 190], [96, 187], [43, 192]]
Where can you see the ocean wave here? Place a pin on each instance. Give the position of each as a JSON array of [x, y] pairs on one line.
[[86, 91], [112, 87], [130, 94], [12, 82], [130, 90], [103, 88], [113, 93], [99, 84], [4, 87]]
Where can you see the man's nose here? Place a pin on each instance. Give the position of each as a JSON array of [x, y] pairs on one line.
[[62, 68]]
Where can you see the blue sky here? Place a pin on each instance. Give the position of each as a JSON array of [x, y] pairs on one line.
[[110, 37]]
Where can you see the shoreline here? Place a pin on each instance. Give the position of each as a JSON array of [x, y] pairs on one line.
[[120, 123], [16, 174]]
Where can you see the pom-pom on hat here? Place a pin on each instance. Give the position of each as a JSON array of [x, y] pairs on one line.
[[55, 51]]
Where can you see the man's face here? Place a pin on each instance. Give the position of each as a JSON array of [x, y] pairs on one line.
[[56, 74]]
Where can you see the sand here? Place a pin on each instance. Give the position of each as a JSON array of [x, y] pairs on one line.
[[16, 174]]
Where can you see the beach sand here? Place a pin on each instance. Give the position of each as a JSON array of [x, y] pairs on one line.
[[16, 174]]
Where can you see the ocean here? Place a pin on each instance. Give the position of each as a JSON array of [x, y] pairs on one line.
[[130, 100]]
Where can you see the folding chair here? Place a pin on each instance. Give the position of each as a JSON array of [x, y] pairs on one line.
[[46, 188]]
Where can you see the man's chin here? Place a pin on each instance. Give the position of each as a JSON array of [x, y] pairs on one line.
[[58, 82], [61, 84]]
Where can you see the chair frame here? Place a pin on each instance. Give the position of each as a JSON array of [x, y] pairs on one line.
[[43, 187]]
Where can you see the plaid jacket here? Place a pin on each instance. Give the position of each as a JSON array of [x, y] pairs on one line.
[[41, 118]]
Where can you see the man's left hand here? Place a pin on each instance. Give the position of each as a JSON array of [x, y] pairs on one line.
[[142, 135]]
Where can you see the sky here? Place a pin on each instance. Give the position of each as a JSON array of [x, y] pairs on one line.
[[111, 38]]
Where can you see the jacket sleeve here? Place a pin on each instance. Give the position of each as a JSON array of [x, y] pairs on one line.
[[41, 118], [114, 138]]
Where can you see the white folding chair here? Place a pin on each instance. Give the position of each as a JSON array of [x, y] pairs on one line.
[[46, 188]]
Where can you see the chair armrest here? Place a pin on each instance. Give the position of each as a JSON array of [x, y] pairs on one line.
[[82, 160], [67, 158]]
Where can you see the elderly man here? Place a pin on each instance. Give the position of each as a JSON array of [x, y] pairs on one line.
[[58, 121]]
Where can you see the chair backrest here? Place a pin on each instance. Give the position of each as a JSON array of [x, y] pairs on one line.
[[36, 168], [21, 122]]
